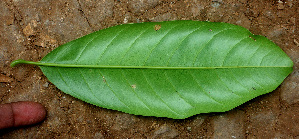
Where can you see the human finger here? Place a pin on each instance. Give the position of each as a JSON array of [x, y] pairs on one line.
[[21, 113]]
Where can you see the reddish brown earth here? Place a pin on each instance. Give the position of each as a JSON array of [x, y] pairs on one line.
[[31, 29]]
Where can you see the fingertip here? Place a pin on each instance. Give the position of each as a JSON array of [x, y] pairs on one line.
[[27, 113], [21, 114]]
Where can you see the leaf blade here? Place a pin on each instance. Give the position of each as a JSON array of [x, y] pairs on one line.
[[182, 69]]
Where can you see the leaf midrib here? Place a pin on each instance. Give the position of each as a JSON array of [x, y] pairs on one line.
[[20, 61]]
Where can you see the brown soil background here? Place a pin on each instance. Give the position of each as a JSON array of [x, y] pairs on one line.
[[32, 28]]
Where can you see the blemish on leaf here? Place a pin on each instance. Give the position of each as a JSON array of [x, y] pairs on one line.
[[133, 86], [252, 38], [104, 80], [253, 88], [157, 27]]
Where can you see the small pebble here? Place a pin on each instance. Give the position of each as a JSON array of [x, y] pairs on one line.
[[165, 131], [280, 6], [46, 84]]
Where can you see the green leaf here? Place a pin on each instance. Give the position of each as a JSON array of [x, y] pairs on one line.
[[172, 69]]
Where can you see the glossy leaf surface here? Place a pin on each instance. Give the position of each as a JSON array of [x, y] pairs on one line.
[[172, 69]]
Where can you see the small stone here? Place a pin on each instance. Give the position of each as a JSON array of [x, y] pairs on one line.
[[164, 17], [124, 121], [229, 125], [244, 21], [280, 6], [290, 3], [46, 84], [266, 120], [216, 3], [196, 9], [296, 42], [276, 32], [189, 128], [138, 6], [28, 30], [125, 20], [34, 23], [165, 131], [88, 121], [98, 135], [198, 121], [290, 89]]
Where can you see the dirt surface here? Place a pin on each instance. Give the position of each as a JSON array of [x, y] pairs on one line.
[[32, 28]]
